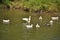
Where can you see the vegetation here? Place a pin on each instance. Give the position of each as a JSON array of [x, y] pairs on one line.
[[49, 5]]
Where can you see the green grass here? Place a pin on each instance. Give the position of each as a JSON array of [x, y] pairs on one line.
[[16, 31], [48, 5]]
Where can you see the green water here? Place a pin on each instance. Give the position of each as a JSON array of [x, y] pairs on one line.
[[16, 31]]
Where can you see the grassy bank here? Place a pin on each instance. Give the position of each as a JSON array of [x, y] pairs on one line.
[[34, 5]]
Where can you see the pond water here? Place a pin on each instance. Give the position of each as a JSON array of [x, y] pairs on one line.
[[15, 30]]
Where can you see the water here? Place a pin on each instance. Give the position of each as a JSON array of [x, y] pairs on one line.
[[16, 31]]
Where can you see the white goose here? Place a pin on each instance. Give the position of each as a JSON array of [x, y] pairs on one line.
[[6, 21], [27, 19], [51, 22], [40, 18], [37, 25], [29, 26], [55, 18]]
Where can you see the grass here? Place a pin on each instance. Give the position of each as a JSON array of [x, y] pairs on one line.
[[16, 31], [47, 5]]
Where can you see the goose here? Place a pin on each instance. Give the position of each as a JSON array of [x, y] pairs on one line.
[[51, 22], [55, 18], [37, 25], [29, 26], [6, 21], [27, 19], [40, 18]]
